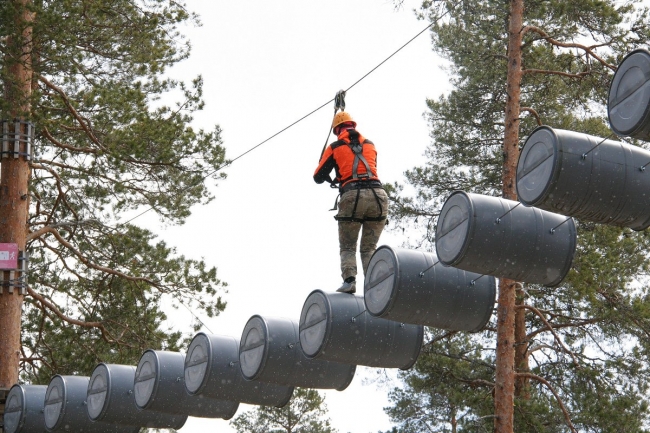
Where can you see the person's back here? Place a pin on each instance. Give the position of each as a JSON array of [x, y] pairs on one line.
[[363, 202]]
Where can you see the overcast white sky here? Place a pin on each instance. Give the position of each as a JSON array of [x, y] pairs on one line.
[[266, 64]]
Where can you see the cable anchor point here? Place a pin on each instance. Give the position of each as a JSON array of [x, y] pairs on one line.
[[498, 220], [421, 274], [552, 231]]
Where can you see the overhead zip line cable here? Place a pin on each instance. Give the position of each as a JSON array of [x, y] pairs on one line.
[[284, 129], [216, 170]]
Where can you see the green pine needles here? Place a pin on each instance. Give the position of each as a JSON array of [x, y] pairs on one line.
[[114, 139], [593, 374]]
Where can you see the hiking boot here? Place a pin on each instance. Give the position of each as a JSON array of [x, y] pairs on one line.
[[348, 287]]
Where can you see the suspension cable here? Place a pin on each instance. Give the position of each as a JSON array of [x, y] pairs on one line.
[[228, 163]]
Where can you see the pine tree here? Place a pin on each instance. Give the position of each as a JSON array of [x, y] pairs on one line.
[[577, 344], [305, 413], [110, 144]]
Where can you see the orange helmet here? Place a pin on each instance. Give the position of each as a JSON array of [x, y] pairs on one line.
[[342, 117]]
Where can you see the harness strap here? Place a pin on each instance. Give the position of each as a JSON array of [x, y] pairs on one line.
[[356, 202], [336, 202], [360, 220], [352, 218], [354, 210], [357, 148], [355, 175], [381, 209]]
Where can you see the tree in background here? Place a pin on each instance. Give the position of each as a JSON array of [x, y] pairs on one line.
[[109, 146], [305, 413], [580, 349]]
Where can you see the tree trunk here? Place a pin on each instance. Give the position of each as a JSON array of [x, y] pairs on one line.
[[505, 356], [454, 420], [14, 185], [522, 384], [505, 370]]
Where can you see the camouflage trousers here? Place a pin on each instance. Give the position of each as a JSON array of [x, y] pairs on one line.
[[370, 203]]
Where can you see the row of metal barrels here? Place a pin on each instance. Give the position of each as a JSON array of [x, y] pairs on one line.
[[334, 335], [561, 174]]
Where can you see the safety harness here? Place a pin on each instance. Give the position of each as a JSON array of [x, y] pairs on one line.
[[353, 218], [359, 182], [357, 149]]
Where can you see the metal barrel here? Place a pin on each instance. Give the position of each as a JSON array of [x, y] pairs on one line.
[[23, 411], [586, 177], [159, 385], [414, 287], [65, 408], [212, 370], [270, 352], [337, 327], [628, 103], [110, 400], [503, 238]]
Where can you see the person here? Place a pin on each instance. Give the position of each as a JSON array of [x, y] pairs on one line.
[[363, 204]]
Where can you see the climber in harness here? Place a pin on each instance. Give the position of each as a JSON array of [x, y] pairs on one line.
[[363, 204]]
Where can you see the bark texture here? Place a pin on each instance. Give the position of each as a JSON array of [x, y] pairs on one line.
[[505, 357], [14, 187]]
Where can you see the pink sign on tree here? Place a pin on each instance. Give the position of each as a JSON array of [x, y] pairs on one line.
[[8, 256]]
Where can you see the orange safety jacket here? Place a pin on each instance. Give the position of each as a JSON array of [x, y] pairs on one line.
[[349, 166]]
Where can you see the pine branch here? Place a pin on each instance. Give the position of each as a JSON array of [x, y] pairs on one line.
[[557, 397], [550, 328], [534, 113], [589, 50], [83, 122], [61, 197], [64, 146], [83, 259], [44, 305]]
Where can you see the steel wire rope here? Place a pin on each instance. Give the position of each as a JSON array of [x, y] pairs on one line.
[[216, 170], [195, 316]]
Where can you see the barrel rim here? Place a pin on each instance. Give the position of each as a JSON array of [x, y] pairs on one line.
[[569, 262], [233, 412], [418, 348], [62, 412], [208, 367], [65, 383], [328, 324], [286, 401], [470, 227], [23, 395], [154, 390], [557, 162], [490, 312], [265, 352], [351, 372], [107, 399], [391, 302], [646, 111], [23, 406]]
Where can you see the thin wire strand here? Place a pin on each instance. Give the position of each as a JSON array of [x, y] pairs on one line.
[[387, 58], [297, 121], [275, 135], [195, 316]]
